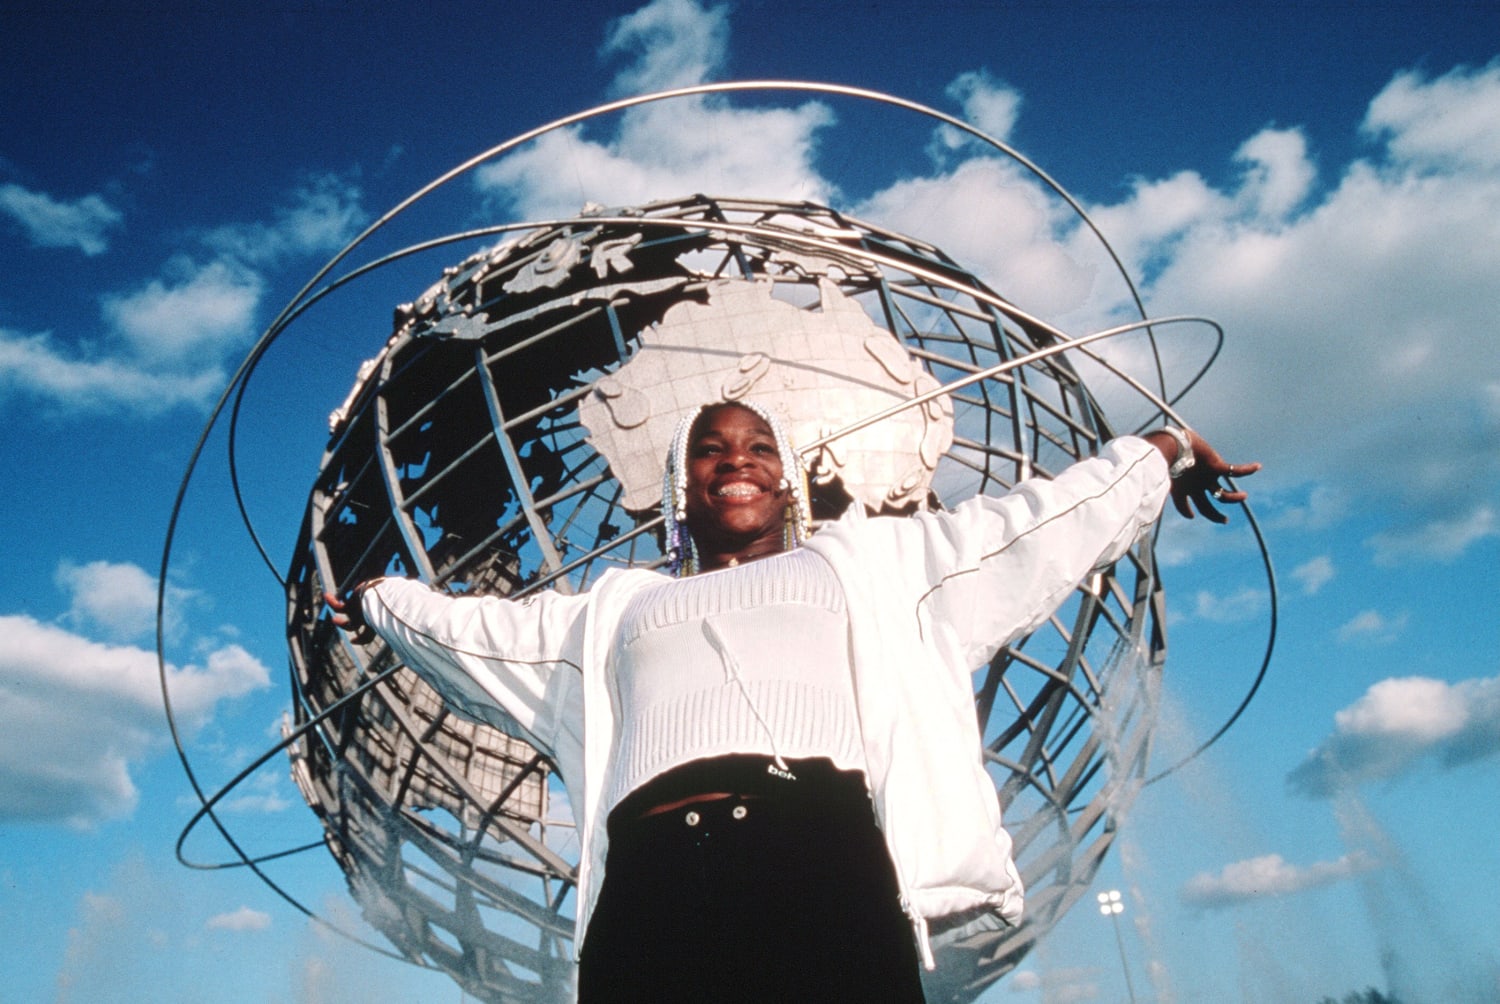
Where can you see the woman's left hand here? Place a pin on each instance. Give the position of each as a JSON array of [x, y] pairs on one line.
[[1198, 487]]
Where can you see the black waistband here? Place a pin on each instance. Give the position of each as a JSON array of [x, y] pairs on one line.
[[749, 775]]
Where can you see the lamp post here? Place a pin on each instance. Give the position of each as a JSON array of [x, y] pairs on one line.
[[1111, 905]]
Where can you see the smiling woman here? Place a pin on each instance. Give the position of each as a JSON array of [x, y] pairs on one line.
[[778, 757]]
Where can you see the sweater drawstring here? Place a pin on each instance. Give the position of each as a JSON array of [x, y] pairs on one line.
[[732, 672], [919, 931]]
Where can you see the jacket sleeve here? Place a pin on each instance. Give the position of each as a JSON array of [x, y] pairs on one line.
[[513, 664], [995, 568]]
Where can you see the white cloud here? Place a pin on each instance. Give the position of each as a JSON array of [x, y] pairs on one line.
[[1238, 606], [1279, 175], [101, 924], [1372, 626], [84, 224], [1325, 507], [1058, 984], [664, 151], [1447, 122], [199, 310], [1363, 309], [75, 714], [119, 599], [676, 43], [164, 346], [119, 939], [1441, 539], [1313, 575], [324, 214], [1147, 228], [990, 106], [166, 341], [243, 919], [1397, 725], [987, 215], [1024, 981], [1269, 876], [267, 793], [35, 365]]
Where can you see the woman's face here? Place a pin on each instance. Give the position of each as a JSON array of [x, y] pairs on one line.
[[735, 503]]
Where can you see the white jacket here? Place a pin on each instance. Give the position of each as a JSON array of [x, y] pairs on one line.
[[930, 598]]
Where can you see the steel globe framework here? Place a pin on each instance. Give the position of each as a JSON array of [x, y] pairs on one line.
[[462, 457]]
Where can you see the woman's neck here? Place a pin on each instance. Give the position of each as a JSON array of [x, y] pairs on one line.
[[714, 562]]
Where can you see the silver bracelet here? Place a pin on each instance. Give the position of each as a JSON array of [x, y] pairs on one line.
[[1185, 459]]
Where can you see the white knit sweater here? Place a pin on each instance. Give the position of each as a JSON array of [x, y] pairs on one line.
[[751, 659]]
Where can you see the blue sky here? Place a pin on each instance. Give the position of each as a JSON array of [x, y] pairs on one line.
[[1323, 180]]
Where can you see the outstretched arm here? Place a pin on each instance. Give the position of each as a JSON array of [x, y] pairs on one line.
[[1196, 485], [493, 659]]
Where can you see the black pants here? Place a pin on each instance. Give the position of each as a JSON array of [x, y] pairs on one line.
[[782, 894]]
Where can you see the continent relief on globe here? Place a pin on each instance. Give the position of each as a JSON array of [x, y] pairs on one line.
[[819, 368]]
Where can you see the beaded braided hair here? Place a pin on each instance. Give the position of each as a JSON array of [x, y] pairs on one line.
[[682, 553]]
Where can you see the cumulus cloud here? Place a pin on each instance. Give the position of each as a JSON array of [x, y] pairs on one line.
[[323, 215], [664, 151], [165, 342], [164, 346], [196, 310], [1311, 576], [657, 151], [1361, 303], [1269, 876], [118, 599], [1444, 123], [1372, 626], [1441, 539], [1399, 724], [1024, 981], [986, 214], [1147, 230], [38, 366], [76, 713], [989, 105], [1324, 507], [1057, 984], [676, 43], [83, 224], [243, 919], [264, 792], [121, 935], [1278, 175], [101, 926], [1229, 608]]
